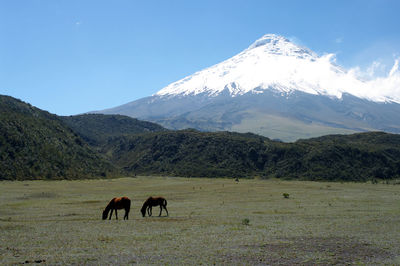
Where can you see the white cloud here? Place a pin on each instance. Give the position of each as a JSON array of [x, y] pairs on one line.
[[377, 86], [374, 70], [395, 68]]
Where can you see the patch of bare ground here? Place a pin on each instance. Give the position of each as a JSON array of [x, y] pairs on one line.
[[311, 251]]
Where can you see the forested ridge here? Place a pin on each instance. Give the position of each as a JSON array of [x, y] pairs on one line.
[[35, 144], [357, 157]]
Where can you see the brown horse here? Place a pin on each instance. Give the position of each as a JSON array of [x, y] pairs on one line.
[[118, 204], [151, 202]]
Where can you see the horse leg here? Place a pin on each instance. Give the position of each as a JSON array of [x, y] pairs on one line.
[[116, 214], [111, 214], [150, 211], [160, 211], [165, 207], [126, 214]]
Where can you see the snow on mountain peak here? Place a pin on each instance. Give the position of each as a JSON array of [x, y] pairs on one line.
[[279, 45], [271, 39], [275, 63]]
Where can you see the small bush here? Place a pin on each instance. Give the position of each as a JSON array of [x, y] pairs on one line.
[[286, 195], [246, 221]]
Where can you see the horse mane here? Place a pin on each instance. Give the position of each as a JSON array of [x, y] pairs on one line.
[[145, 204], [106, 211], [108, 208], [111, 203]]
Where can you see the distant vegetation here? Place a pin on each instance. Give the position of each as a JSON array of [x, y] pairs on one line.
[[360, 157], [96, 129], [357, 157], [37, 145], [187, 153]]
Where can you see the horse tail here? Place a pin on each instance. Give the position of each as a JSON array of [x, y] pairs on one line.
[[165, 202], [127, 208]]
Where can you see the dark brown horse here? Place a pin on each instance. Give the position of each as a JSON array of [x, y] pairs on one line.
[[151, 202], [118, 204]]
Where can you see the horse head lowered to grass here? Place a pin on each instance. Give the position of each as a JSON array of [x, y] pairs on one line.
[[117, 204], [151, 202]]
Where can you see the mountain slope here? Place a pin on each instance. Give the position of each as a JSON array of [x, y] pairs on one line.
[[35, 144], [96, 129], [295, 116], [277, 89]]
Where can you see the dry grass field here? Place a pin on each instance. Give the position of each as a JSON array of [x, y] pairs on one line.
[[211, 221]]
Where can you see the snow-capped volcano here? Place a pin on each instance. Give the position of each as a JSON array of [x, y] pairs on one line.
[[275, 63], [277, 89]]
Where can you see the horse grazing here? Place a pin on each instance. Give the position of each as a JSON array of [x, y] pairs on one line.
[[151, 202], [118, 204]]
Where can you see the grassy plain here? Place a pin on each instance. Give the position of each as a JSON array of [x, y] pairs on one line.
[[212, 221]]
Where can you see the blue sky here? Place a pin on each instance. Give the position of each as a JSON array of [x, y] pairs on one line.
[[70, 57]]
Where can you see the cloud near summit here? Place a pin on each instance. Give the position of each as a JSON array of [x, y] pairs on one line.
[[376, 85]]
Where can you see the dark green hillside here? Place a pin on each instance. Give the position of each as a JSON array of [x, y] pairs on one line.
[[35, 144], [358, 157], [188, 153], [97, 128]]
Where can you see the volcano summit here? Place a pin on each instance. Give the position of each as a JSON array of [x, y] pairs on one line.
[[277, 89]]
